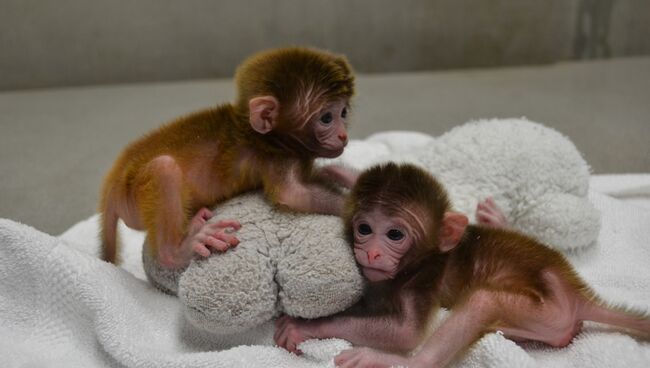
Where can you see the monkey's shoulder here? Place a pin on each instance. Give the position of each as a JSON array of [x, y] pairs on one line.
[[507, 243], [206, 124]]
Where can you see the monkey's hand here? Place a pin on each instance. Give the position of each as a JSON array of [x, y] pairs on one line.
[[203, 236], [290, 332], [343, 176], [489, 214], [367, 357]]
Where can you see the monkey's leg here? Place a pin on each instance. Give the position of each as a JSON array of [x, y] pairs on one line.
[[576, 307], [310, 198], [468, 322], [341, 175], [551, 323], [555, 320], [389, 332], [559, 318], [161, 198]]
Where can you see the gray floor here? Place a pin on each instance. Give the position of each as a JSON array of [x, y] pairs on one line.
[[56, 145]]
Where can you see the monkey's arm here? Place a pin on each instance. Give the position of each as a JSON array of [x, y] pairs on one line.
[[341, 175], [396, 333], [290, 190], [466, 324]]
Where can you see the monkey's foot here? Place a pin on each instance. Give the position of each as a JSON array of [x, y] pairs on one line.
[[203, 235], [366, 357], [489, 214]]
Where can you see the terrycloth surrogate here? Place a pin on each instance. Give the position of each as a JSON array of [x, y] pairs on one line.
[[298, 264]]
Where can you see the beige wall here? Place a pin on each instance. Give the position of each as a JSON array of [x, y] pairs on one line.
[[74, 42]]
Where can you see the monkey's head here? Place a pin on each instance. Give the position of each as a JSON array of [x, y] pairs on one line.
[[398, 216], [299, 94]]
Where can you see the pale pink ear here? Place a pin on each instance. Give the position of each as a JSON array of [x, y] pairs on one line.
[[452, 230], [264, 112]]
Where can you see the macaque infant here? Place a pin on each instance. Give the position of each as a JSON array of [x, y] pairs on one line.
[[418, 256], [292, 106]]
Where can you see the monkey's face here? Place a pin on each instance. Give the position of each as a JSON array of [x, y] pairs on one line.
[[328, 129], [380, 242]]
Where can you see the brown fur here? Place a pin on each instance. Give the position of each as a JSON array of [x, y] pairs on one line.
[[486, 258], [299, 78]]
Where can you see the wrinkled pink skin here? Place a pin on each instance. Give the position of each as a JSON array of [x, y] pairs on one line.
[[555, 322]]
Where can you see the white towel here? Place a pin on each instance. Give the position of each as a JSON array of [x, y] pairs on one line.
[[62, 307]]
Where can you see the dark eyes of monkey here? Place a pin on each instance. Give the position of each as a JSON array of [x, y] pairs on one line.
[[327, 118], [364, 229], [392, 234], [395, 235]]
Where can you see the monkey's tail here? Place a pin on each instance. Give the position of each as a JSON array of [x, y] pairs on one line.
[[623, 317], [108, 230]]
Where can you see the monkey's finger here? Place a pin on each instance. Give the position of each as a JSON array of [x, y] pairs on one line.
[[201, 250], [227, 238], [218, 231], [486, 217], [282, 330], [280, 338], [482, 206], [234, 224], [277, 337], [294, 348], [490, 201], [205, 213], [279, 326], [217, 244], [342, 358]]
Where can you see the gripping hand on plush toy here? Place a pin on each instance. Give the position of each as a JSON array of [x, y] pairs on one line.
[[203, 236]]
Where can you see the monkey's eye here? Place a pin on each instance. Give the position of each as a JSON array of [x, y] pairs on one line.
[[364, 229], [327, 118], [344, 113], [395, 235]]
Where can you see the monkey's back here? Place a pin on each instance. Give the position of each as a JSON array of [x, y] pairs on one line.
[[506, 259], [179, 138]]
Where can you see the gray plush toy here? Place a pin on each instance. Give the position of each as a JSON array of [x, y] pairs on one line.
[[301, 264], [535, 174], [298, 264]]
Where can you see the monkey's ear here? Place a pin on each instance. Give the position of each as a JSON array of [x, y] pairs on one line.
[[452, 230], [263, 113]]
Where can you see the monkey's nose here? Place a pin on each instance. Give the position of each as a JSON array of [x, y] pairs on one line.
[[373, 255], [343, 137]]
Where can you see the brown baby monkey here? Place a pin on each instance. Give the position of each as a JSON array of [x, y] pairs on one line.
[[291, 107], [418, 256]]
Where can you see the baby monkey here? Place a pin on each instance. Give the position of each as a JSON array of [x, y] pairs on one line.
[[291, 108], [418, 256]]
